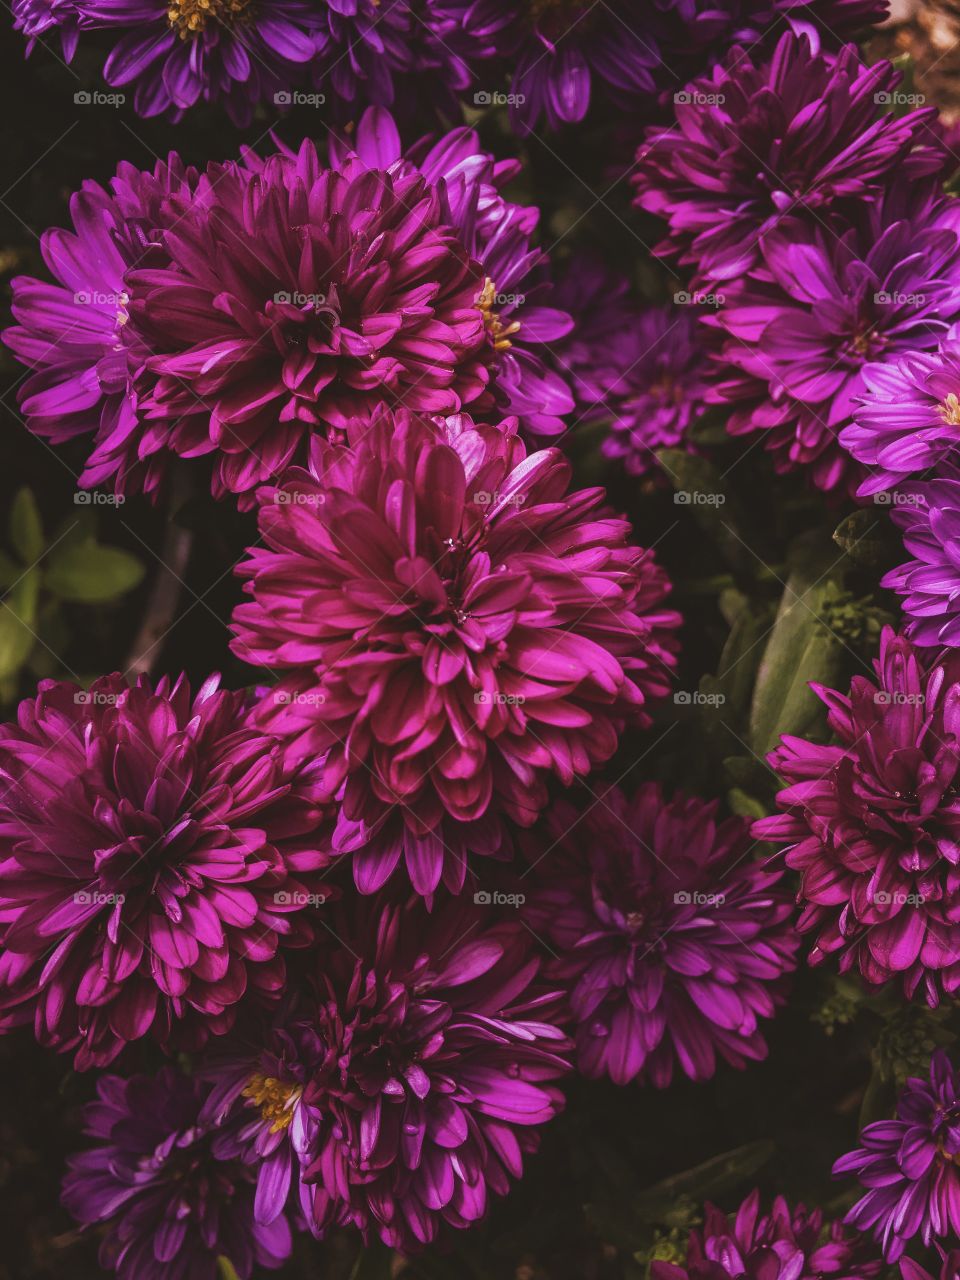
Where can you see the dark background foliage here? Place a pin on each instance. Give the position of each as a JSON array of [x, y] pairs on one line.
[[765, 588]]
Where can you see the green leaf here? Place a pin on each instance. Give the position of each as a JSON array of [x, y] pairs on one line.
[[10, 571], [745, 806], [18, 613], [26, 528], [800, 648], [91, 574], [226, 1269]]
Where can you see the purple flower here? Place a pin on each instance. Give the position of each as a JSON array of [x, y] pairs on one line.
[[949, 1268], [671, 940], [176, 53], [928, 512], [640, 369], [168, 1190], [785, 1244], [909, 1165], [872, 822], [752, 144], [826, 303], [514, 301], [35, 18], [457, 628], [157, 849], [405, 1081], [73, 334], [909, 417]]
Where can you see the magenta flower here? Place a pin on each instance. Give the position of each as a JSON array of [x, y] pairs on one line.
[[521, 324], [872, 823], [168, 1192], [909, 1165], [157, 851], [909, 417], [457, 629], [753, 143], [785, 1244], [827, 303], [37, 18], [671, 940], [402, 1085], [948, 1270], [928, 512], [641, 369]]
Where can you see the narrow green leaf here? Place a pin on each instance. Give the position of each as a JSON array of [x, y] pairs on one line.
[[18, 613], [26, 528]]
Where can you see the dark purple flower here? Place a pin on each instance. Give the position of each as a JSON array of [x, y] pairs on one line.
[[73, 334], [911, 1165], [752, 144], [168, 1191], [928, 512], [457, 629], [176, 53], [909, 417], [405, 1081], [785, 1244], [827, 302], [515, 300], [640, 369], [872, 822], [671, 940], [157, 850]]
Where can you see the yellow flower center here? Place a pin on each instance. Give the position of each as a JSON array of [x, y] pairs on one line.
[[275, 1098], [499, 332], [949, 410], [189, 17]]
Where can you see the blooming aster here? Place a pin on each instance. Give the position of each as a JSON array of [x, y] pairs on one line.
[[785, 1244], [752, 143], [671, 940], [156, 850], [911, 1165], [404, 1082], [826, 303], [168, 1190], [949, 1267], [456, 628], [176, 53], [872, 822], [928, 512], [35, 18], [909, 417], [640, 369], [516, 300]]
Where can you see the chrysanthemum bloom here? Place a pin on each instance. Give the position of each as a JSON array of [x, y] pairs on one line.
[[403, 1084], [672, 941], [640, 369], [911, 1165], [457, 628], [753, 143], [73, 334], [928, 512], [826, 303], [521, 314], [785, 1244], [296, 298], [873, 823], [176, 53], [157, 850], [168, 1191], [909, 417]]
